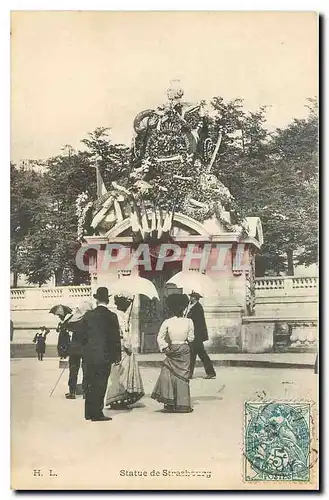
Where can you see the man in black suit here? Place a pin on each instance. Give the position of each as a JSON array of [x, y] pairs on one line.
[[196, 313], [102, 347]]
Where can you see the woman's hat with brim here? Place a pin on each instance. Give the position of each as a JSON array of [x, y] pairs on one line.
[[79, 312], [122, 302], [122, 297], [176, 302]]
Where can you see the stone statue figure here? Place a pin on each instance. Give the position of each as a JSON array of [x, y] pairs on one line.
[[172, 154], [177, 129]]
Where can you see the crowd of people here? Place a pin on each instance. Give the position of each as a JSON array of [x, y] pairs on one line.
[[100, 342]]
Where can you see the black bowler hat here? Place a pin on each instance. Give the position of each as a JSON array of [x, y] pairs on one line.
[[102, 294]]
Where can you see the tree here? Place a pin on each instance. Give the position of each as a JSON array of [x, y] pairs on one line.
[[244, 150], [48, 243], [113, 160], [289, 186], [25, 188], [274, 177], [53, 244]]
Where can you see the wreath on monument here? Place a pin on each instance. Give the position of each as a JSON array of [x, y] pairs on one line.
[[170, 162], [83, 211]]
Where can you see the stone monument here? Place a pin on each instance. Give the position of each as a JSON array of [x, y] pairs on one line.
[[171, 197]]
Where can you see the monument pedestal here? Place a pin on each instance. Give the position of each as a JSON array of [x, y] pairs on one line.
[[225, 257]]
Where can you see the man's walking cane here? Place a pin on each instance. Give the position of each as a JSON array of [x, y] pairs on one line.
[[60, 376]]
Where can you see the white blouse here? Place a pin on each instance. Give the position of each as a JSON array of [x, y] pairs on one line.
[[175, 331], [125, 332]]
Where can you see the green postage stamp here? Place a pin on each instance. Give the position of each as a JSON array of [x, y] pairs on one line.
[[277, 441]]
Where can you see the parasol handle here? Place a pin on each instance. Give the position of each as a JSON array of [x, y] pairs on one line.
[[186, 310], [131, 308]]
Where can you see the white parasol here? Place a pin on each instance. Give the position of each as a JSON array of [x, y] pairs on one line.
[[194, 281], [134, 285]]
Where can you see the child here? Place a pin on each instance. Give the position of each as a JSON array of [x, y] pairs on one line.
[[40, 341]]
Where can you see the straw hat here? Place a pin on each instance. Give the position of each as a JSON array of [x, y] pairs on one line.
[[80, 311]]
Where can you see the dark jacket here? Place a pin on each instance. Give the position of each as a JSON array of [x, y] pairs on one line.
[[101, 336], [200, 328], [77, 338], [63, 341]]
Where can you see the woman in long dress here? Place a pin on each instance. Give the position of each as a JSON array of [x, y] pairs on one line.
[[172, 388], [125, 386]]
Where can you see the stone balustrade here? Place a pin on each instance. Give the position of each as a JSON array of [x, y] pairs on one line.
[[286, 283], [40, 298], [286, 296], [281, 297], [18, 294], [274, 283], [30, 306], [306, 282], [286, 312]]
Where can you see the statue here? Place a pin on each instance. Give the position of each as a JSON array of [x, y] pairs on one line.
[[174, 148], [177, 130]]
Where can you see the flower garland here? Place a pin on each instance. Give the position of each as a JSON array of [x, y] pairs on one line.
[[170, 169], [82, 208]]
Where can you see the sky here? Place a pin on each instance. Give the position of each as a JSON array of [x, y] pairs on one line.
[[73, 71]]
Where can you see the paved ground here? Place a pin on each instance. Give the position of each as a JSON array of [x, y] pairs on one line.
[[50, 433]]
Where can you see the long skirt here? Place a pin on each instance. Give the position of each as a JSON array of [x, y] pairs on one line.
[[172, 387], [125, 384]]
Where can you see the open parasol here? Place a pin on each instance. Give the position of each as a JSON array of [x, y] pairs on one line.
[[134, 285], [130, 286], [194, 281], [60, 310]]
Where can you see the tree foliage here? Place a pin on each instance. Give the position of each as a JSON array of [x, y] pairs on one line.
[[289, 190], [43, 207], [273, 176], [113, 160], [25, 188]]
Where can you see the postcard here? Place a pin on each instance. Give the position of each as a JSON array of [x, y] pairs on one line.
[[164, 250]]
